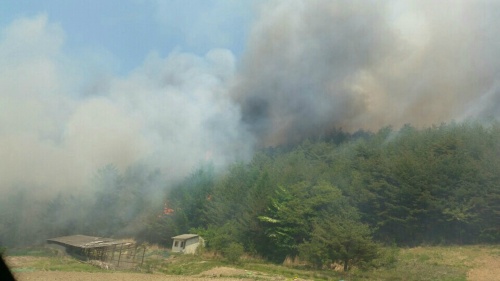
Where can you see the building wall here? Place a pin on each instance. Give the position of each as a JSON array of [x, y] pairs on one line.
[[177, 246], [189, 246]]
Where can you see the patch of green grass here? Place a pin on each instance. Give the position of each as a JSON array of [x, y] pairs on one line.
[[23, 269], [179, 264], [32, 251], [422, 263], [248, 276], [423, 258], [49, 259], [54, 264], [157, 253], [289, 272], [64, 264], [495, 251], [416, 264]]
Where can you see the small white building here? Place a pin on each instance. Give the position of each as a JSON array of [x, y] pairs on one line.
[[186, 243]]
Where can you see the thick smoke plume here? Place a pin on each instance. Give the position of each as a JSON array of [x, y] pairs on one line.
[[59, 125], [85, 151], [310, 67], [315, 66]]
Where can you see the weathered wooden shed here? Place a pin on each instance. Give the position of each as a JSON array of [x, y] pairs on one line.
[[186, 243], [117, 252]]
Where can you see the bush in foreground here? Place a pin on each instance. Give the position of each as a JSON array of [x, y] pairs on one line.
[[233, 252]]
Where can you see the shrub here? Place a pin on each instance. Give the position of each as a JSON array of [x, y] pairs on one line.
[[388, 257], [233, 252]]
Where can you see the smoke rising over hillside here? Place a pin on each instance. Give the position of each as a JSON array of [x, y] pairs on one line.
[[86, 151], [171, 112], [312, 66]]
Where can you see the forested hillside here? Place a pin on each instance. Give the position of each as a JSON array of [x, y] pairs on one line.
[[330, 199], [438, 185]]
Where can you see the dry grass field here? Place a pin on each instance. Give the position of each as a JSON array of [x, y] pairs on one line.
[[474, 263], [486, 267], [118, 276]]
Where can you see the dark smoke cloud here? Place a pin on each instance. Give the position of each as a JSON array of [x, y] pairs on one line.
[[313, 66]]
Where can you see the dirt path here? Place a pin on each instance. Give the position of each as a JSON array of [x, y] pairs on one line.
[[487, 269], [226, 273], [115, 276], [28, 268]]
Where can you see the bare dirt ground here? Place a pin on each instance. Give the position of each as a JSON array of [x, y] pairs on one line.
[[20, 261], [487, 269], [115, 276], [226, 273]]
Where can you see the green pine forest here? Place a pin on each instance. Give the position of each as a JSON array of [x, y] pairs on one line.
[[336, 198]]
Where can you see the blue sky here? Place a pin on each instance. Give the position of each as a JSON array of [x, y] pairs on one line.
[[126, 31]]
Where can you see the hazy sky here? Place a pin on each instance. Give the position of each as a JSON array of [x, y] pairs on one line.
[[84, 84], [126, 31]]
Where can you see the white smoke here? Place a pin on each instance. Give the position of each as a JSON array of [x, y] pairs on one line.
[[59, 125]]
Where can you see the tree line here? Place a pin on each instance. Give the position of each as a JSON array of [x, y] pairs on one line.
[[339, 197], [332, 199]]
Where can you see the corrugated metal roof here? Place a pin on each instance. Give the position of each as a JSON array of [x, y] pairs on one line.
[[83, 241], [185, 236]]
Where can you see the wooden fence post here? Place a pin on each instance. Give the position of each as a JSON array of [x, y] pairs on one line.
[[113, 253], [119, 256], [143, 253]]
